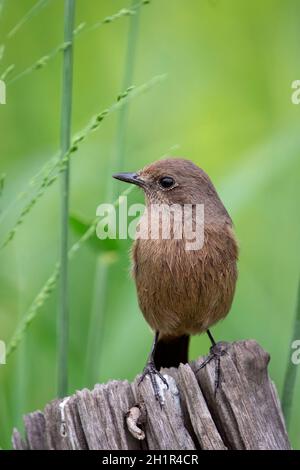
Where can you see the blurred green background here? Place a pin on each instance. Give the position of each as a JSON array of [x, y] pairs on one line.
[[225, 104]]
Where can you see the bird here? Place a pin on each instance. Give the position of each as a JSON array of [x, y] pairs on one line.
[[181, 292]]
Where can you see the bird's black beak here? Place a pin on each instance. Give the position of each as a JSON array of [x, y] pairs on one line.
[[129, 178]]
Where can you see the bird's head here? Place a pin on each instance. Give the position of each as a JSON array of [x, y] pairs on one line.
[[176, 181]]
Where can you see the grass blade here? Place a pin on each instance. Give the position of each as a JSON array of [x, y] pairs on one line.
[[2, 182], [66, 115], [58, 165], [117, 162], [50, 285], [81, 28], [97, 321], [94, 342], [291, 369], [21, 372], [33, 11], [1, 7]]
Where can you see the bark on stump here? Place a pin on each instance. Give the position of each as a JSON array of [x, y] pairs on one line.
[[244, 412]]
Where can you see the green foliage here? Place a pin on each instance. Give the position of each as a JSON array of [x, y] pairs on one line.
[[30, 14], [2, 181], [291, 370], [65, 144], [60, 164], [226, 102], [81, 28], [80, 226], [87, 235]]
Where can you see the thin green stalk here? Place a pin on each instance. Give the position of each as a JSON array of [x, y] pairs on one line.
[[123, 115], [59, 164], [291, 369], [80, 29], [97, 321], [34, 308], [66, 115], [2, 46], [6, 416], [23, 358], [50, 285], [2, 50], [2, 182], [33, 11], [39, 64], [1, 7], [9, 69]]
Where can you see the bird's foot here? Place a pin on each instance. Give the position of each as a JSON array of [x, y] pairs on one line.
[[216, 351], [153, 373]]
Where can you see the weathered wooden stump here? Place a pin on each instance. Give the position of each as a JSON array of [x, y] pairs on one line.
[[244, 412]]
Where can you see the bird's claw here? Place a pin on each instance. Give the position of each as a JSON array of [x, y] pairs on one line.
[[152, 372], [216, 352]]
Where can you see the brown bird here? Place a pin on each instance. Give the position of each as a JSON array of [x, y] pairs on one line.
[[181, 291]]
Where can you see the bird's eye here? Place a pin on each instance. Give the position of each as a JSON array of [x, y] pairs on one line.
[[166, 182]]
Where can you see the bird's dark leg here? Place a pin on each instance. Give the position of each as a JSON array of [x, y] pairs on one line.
[[150, 369], [215, 352], [213, 343]]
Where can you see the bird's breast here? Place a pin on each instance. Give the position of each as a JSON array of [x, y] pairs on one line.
[[184, 291]]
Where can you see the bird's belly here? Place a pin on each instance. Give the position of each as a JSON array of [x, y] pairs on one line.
[[183, 292]]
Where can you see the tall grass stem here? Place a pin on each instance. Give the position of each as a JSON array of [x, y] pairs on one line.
[[97, 320], [1, 7], [78, 31], [66, 115], [57, 166], [118, 160], [291, 369], [50, 285], [94, 342], [23, 354], [33, 11]]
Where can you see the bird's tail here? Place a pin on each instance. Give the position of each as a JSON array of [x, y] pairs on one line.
[[170, 352]]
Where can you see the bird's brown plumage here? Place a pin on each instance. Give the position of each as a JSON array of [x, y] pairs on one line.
[[180, 291], [183, 292]]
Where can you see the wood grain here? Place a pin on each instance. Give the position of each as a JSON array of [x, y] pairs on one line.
[[244, 412]]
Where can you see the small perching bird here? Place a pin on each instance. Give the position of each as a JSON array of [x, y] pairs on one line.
[[181, 291]]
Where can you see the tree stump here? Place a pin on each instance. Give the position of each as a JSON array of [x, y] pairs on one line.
[[242, 413]]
